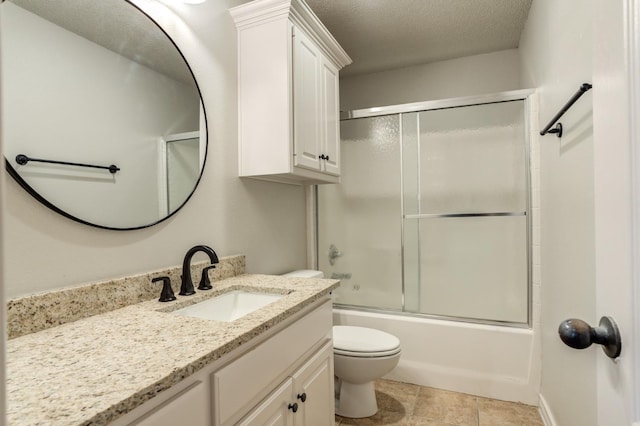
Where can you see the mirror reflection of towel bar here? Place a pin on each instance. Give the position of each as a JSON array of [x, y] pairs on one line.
[[23, 159]]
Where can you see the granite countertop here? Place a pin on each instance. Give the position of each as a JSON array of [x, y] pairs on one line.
[[93, 370]]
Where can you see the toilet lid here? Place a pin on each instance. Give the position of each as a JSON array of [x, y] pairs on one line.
[[363, 340]]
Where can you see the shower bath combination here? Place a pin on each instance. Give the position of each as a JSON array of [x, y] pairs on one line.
[[439, 192], [432, 224]]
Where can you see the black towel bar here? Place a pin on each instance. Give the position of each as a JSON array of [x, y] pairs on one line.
[[585, 87]]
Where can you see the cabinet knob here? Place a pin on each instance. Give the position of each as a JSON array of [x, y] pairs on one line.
[[326, 157], [293, 407], [322, 157], [302, 396]]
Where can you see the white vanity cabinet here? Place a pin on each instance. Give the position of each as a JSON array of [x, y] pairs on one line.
[[189, 407], [259, 382], [313, 389], [288, 91], [306, 398], [267, 380], [186, 403]]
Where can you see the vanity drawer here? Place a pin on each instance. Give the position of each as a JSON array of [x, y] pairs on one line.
[[243, 383], [191, 406]]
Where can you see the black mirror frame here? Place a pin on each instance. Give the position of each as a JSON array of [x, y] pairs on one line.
[[14, 174]]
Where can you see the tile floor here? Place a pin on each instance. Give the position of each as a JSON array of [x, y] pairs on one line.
[[406, 404]]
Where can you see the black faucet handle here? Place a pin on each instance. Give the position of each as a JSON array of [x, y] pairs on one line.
[[167, 292], [205, 283]]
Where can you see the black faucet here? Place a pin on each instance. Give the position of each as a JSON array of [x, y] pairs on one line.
[[186, 288]]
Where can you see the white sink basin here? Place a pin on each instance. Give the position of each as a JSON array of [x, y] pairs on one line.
[[229, 306]]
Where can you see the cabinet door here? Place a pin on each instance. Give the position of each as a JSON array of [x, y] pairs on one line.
[[306, 102], [274, 410], [189, 407], [330, 145], [313, 383]]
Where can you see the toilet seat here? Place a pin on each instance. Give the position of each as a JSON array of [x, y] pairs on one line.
[[363, 342], [366, 354]]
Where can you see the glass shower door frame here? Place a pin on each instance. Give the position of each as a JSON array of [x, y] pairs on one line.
[[519, 95]]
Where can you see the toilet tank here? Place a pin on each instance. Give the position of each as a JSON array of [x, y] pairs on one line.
[[305, 273]]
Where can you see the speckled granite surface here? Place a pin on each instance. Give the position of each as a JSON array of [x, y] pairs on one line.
[[91, 371], [44, 310]]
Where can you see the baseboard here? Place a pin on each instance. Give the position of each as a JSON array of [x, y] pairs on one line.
[[545, 412]]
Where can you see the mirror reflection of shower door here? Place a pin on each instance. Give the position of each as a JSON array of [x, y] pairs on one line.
[[361, 216], [465, 212], [182, 167]]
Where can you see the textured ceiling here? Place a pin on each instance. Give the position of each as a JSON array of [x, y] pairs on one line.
[[117, 26], [377, 34], [385, 34]]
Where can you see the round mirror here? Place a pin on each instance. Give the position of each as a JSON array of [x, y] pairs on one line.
[[102, 118]]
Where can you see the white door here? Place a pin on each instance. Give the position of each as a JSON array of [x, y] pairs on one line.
[[616, 96]]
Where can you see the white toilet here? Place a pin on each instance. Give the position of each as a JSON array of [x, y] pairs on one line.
[[361, 355]]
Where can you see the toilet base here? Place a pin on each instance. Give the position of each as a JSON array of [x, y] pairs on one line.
[[356, 400]]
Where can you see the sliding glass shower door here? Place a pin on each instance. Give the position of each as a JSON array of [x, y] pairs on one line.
[[465, 212], [431, 216], [359, 220]]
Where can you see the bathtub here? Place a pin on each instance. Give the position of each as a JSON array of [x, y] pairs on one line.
[[485, 360]]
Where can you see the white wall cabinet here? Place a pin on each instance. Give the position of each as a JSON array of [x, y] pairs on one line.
[[256, 384], [288, 89], [316, 131]]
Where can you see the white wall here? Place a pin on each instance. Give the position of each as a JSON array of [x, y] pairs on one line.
[[471, 75], [556, 58], [69, 99], [265, 221], [3, 321]]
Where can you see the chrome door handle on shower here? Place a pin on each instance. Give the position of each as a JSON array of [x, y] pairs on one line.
[[334, 253]]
